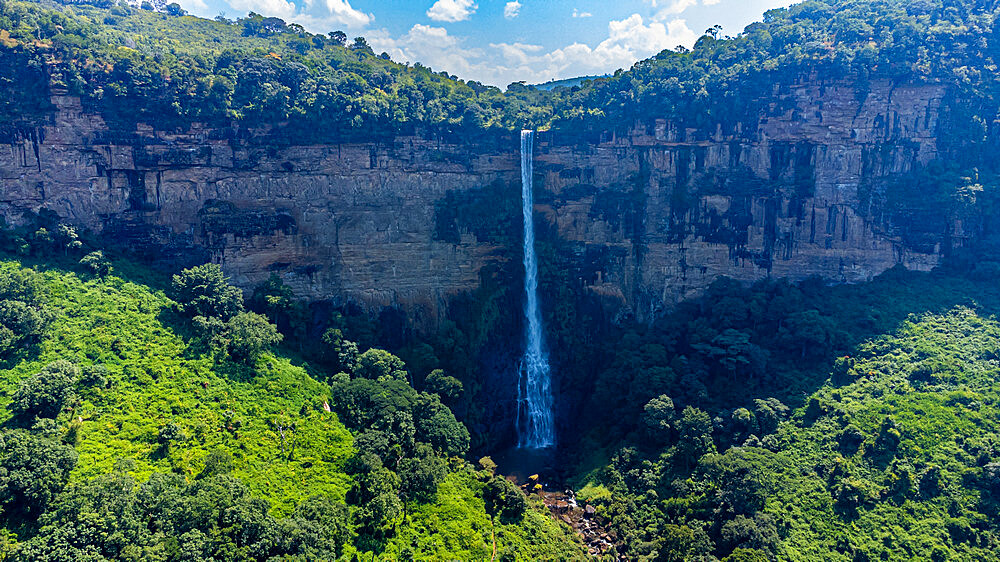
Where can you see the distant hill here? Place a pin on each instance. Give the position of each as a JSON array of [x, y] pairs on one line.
[[567, 82]]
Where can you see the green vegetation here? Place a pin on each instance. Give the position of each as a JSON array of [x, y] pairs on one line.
[[169, 69], [131, 433], [888, 454], [892, 459], [170, 419], [166, 68]]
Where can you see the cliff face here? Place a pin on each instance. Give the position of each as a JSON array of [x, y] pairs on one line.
[[794, 195], [659, 213]]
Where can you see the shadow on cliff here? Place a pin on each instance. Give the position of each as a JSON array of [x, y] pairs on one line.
[[693, 354]]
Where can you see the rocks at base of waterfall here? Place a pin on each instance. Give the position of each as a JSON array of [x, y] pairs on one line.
[[589, 512]]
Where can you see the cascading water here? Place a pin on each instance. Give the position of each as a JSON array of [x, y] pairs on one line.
[[535, 425]]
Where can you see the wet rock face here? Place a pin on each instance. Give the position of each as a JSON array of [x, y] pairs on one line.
[[654, 216], [789, 197]]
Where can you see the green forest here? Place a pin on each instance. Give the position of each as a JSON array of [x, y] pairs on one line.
[[150, 418], [135, 65], [176, 417]]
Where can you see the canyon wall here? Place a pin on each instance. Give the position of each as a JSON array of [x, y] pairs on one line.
[[660, 212]]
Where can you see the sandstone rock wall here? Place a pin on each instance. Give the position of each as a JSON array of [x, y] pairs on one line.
[[669, 209]]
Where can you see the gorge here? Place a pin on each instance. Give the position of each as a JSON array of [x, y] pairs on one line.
[[269, 294], [654, 215], [638, 222]]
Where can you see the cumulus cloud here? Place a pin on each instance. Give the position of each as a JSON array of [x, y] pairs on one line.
[[579, 14], [329, 15], [341, 11], [512, 10], [669, 8], [451, 10], [269, 8], [196, 7], [628, 40]]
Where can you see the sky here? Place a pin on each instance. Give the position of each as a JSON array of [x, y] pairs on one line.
[[498, 42]]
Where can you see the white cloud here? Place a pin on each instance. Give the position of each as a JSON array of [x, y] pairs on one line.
[[267, 8], [675, 7], [332, 14], [342, 11], [510, 11], [451, 10], [578, 14], [196, 7], [431, 46], [628, 41]]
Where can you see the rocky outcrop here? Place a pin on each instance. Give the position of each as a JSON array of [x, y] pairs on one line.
[[792, 197], [660, 212]]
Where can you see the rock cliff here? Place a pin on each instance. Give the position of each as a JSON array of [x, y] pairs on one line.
[[659, 213]]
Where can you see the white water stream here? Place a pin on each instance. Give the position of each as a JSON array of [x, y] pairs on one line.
[[535, 426]]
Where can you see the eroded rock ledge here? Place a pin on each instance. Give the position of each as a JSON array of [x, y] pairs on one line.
[[653, 217]]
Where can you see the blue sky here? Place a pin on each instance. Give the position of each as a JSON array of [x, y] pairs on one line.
[[503, 41]]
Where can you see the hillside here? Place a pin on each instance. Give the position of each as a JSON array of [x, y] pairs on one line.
[[207, 453], [888, 454], [135, 65], [766, 267]]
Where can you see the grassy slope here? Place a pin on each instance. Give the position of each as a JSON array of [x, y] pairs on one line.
[[927, 354], [157, 377], [937, 378]]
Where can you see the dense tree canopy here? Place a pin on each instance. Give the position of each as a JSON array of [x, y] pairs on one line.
[[267, 72]]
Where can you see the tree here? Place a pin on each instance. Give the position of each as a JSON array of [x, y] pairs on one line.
[[170, 433], [769, 413], [758, 532], [360, 45], [23, 318], [21, 324], [45, 393], [695, 435], [339, 38], [205, 291], [376, 494], [339, 350], [380, 365], [96, 263], [273, 297], [659, 415], [348, 356], [33, 469], [249, 335], [19, 284], [317, 529], [504, 500], [67, 238], [41, 242], [808, 332], [420, 475], [174, 9], [436, 424], [217, 462], [448, 388]]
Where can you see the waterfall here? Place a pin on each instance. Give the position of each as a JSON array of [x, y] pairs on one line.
[[535, 425]]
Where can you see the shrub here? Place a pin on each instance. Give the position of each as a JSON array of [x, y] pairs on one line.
[[504, 499], [45, 393], [250, 334], [380, 365], [96, 263], [205, 291], [33, 469]]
